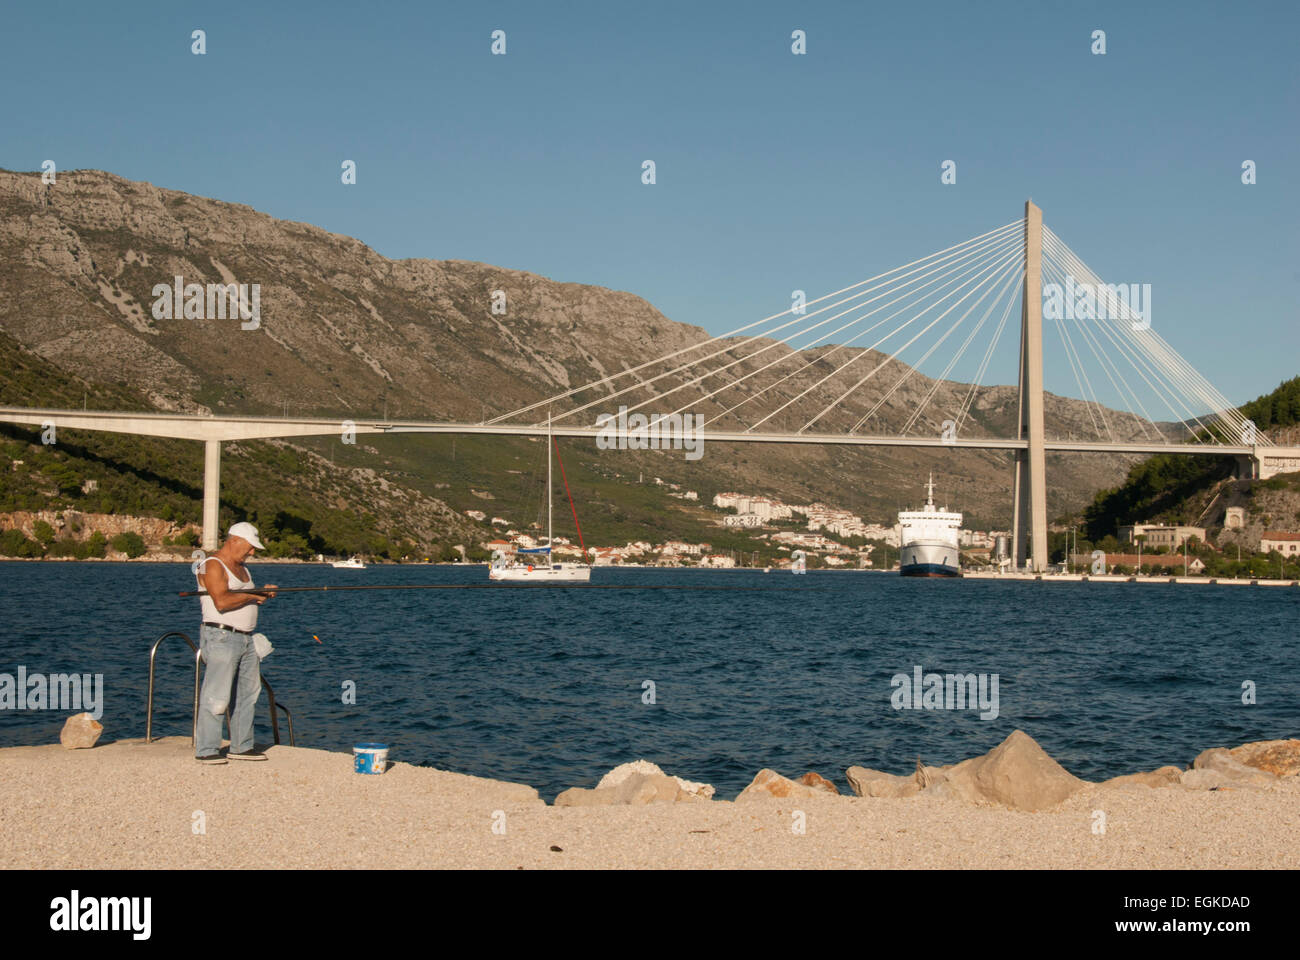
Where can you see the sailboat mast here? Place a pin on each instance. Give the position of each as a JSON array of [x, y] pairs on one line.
[[550, 537]]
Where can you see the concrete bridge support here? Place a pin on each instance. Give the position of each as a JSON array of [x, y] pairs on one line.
[[1029, 487], [211, 494], [1270, 461]]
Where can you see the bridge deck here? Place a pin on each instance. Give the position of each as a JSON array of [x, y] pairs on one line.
[[194, 427]]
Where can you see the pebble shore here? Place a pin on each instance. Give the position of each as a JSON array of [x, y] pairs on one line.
[[127, 804]]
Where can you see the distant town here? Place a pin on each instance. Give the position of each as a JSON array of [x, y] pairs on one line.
[[828, 536], [836, 538]]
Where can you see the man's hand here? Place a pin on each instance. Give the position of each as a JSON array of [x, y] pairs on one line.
[[270, 592]]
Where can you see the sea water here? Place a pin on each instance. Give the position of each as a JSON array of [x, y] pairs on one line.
[[553, 687]]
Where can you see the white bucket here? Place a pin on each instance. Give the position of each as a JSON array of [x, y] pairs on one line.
[[370, 757]]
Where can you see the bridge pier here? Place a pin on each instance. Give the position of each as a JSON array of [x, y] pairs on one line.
[[1029, 486], [1270, 461], [211, 494]]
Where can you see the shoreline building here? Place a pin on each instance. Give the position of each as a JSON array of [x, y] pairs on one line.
[[1160, 535], [1284, 542]]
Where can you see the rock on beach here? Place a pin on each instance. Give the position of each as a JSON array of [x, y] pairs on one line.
[[637, 783], [77, 810], [1278, 757], [768, 784], [1017, 773], [80, 732]]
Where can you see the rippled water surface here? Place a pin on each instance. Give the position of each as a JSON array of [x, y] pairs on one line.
[[545, 686]]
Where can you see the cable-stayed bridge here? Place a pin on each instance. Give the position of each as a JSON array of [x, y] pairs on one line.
[[826, 371]]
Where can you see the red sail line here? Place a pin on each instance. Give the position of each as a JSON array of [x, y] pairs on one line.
[[556, 441]]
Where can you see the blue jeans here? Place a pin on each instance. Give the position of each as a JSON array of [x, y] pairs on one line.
[[228, 656]]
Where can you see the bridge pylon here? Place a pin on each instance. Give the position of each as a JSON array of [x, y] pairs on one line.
[[1029, 489]]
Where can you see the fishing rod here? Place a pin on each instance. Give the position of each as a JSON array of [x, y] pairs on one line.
[[264, 591]]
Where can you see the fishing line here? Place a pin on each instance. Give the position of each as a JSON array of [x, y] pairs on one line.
[[494, 586]]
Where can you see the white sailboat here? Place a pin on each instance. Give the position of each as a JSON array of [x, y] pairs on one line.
[[536, 565]]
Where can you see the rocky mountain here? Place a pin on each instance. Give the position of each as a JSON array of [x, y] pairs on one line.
[[342, 331]]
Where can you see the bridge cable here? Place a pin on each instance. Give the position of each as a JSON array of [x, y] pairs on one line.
[[1125, 350], [1070, 356], [696, 346], [1099, 353], [998, 244], [1178, 370], [1017, 278], [838, 400], [1016, 270], [987, 258], [1010, 243], [912, 367], [984, 363]]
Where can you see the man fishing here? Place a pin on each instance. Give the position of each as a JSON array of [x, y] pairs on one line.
[[226, 641]]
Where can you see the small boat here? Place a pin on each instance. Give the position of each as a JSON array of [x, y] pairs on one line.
[[352, 563], [540, 570], [534, 565]]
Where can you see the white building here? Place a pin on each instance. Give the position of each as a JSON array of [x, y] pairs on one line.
[[1160, 535], [681, 548], [717, 560], [1287, 544]]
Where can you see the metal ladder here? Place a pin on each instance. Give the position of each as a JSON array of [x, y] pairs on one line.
[[194, 725]]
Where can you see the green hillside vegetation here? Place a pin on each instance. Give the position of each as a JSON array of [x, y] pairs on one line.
[[159, 477], [1162, 486], [155, 477]]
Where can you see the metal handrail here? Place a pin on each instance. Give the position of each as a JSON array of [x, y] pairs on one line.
[[194, 725], [275, 726], [148, 716]]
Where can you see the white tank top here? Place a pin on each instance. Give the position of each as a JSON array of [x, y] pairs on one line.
[[244, 618]]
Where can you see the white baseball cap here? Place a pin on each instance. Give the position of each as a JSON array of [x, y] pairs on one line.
[[246, 531]]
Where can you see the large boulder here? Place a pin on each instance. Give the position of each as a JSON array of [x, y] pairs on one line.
[[702, 791], [818, 782], [1166, 776], [1217, 767], [1278, 757], [1017, 773], [80, 732], [877, 783], [635, 789], [768, 784], [1205, 779]]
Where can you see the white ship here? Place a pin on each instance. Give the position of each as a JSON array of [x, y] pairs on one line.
[[352, 563], [535, 565], [928, 539]]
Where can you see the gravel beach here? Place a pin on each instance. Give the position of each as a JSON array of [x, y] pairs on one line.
[[126, 804]]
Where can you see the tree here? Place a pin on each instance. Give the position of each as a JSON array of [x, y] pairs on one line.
[[13, 543], [44, 532], [130, 543], [94, 547], [65, 478]]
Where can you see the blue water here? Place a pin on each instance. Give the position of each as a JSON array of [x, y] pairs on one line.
[[545, 686]]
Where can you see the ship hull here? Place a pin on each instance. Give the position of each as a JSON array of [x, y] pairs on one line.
[[929, 570], [929, 560], [541, 573]]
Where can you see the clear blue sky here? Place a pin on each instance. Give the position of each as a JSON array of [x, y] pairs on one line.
[[775, 171]]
